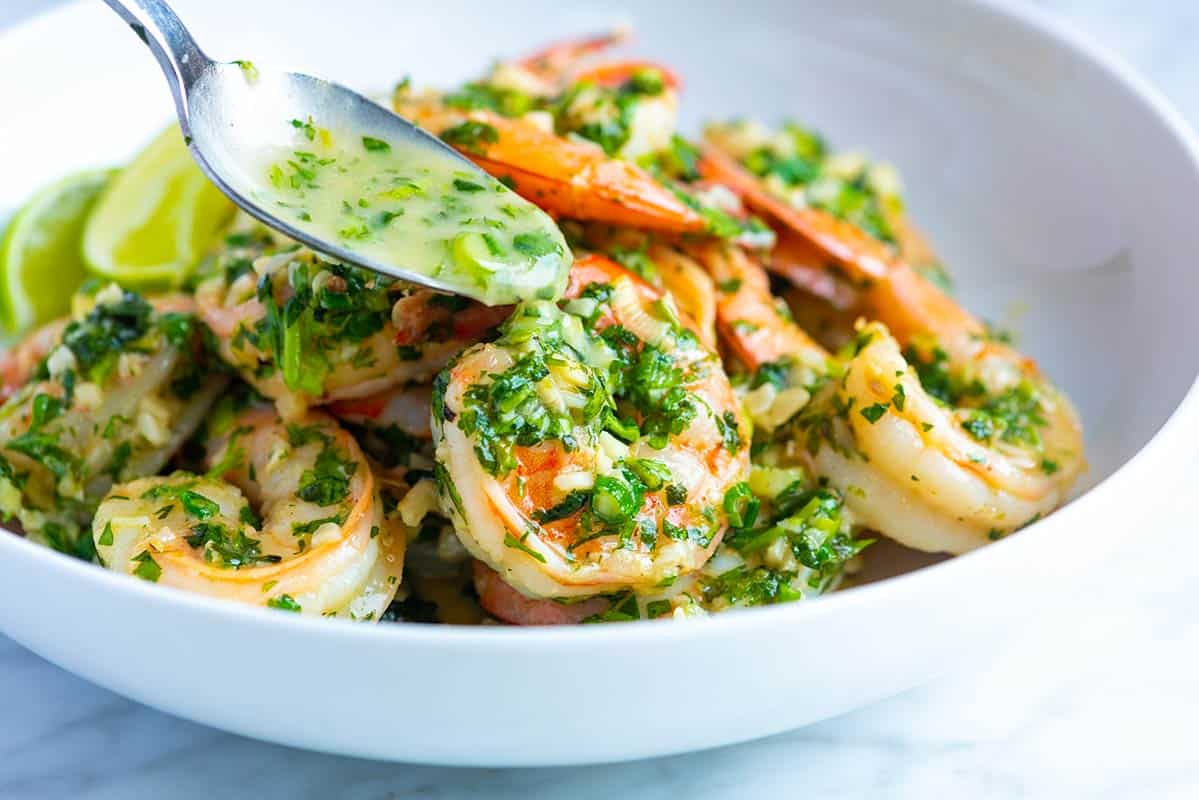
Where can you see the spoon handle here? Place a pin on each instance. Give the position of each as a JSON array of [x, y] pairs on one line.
[[181, 59]]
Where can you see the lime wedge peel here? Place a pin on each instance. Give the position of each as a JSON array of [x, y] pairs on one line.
[[156, 219], [40, 261]]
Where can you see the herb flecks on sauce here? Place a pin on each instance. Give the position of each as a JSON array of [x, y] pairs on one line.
[[417, 207]]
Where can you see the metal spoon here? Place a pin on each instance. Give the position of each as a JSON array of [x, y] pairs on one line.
[[227, 115]]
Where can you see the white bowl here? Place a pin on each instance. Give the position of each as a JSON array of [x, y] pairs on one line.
[[1046, 173]]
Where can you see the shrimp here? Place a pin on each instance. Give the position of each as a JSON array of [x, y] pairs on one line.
[[392, 426], [890, 289], [506, 603], [18, 363], [405, 408], [629, 107], [798, 170], [588, 450], [124, 385], [687, 282], [304, 331], [550, 63], [935, 460], [565, 177], [544, 73], [819, 232], [288, 516], [513, 124]]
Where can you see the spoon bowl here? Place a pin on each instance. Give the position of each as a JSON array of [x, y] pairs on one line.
[[233, 112]]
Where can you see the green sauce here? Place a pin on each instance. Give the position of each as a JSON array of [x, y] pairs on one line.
[[419, 208]]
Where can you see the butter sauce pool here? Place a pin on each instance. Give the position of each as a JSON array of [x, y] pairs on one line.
[[417, 207]]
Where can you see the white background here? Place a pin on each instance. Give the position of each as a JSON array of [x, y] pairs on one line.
[[1099, 705]]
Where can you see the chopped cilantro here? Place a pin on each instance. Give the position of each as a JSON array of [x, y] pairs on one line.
[[875, 412], [374, 145], [284, 602], [229, 548], [147, 568], [328, 482], [574, 502], [519, 544], [471, 135]]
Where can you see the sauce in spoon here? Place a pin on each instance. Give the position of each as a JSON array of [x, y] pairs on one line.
[[413, 205]]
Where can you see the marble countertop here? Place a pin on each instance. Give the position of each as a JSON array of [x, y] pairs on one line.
[[1098, 705]]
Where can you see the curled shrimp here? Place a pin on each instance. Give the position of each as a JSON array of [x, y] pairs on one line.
[[288, 516], [123, 386], [588, 450], [305, 332], [935, 467]]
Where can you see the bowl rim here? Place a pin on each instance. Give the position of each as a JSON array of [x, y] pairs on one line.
[[1163, 446]]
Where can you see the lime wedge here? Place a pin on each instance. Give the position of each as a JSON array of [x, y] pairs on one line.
[[156, 218], [40, 264]]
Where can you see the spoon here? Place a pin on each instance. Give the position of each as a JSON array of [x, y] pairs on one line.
[[232, 112]]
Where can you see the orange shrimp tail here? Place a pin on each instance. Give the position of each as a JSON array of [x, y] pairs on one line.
[[575, 179], [553, 59], [803, 265], [746, 317], [863, 258]]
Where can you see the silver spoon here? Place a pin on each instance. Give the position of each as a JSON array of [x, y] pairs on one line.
[[227, 116]]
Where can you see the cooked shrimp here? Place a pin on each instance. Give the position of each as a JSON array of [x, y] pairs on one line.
[[502, 601], [892, 290], [548, 65], [629, 108], [795, 166], [588, 450], [507, 125], [124, 386], [933, 459], [646, 254], [835, 239], [392, 426], [691, 287], [304, 332], [322, 546], [18, 363], [566, 177], [405, 408]]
